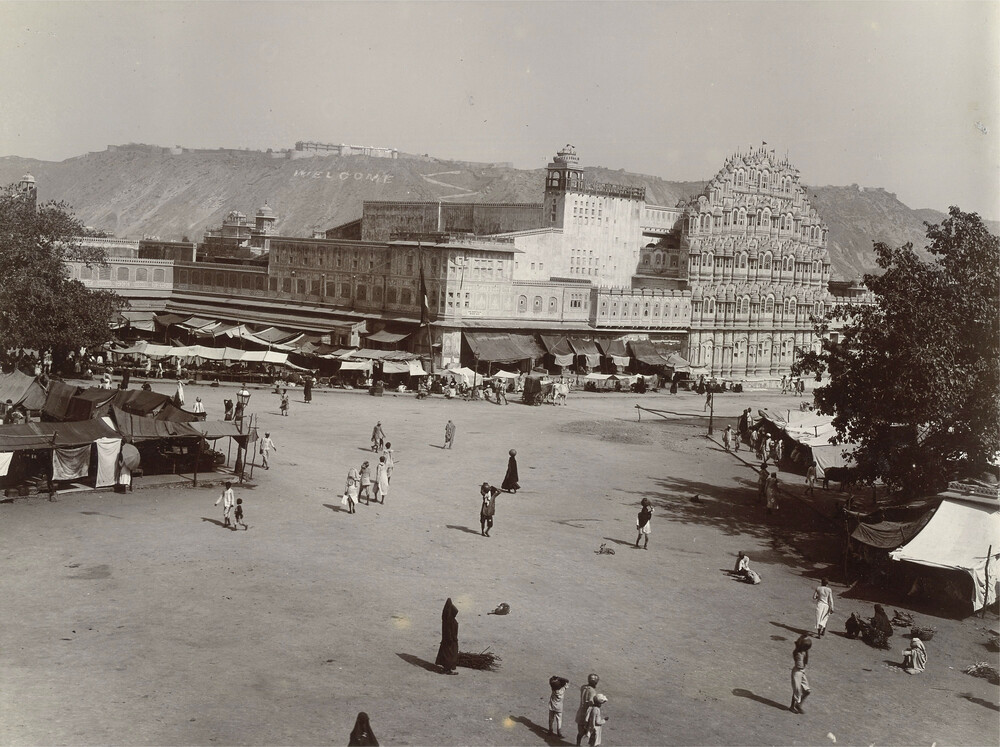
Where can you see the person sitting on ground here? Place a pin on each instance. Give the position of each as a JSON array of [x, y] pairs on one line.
[[915, 657], [742, 570], [853, 626]]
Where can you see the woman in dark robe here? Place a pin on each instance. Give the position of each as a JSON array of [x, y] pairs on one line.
[[362, 734], [510, 479], [447, 657], [881, 621]]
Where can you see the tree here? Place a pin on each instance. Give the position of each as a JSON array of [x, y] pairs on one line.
[[914, 377], [41, 307]]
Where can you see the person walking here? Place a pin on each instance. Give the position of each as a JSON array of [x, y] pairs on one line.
[[800, 683], [307, 390], [390, 460], [810, 478], [381, 481], [284, 402], [727, 438], [366, 484], [823, 596], [558, 687], [642, 523], [708, 400], [587, 693], [447, 656], [488, 508], [362, 734], [762, 483], [501, 390], [179, 394], [228, 500], [351, 489], [596, 719], [510, 483], [771, 494], [266, 445], [378, 437], [449, 434]]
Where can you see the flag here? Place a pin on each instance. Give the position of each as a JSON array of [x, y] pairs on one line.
[[425, 311]]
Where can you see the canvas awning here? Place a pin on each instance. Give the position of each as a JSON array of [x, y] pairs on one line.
[[387, 337], [135, 428], [588, 349], [502, 347], [644, 352], [167, 320], [356, 366], [139, 402], [213, 429], [395, 367], [57, 401], [48, 435], [888, 535], [88, 403], [22, 389], [276, 334], [958, 537], [467, 375], [613, 348], [504, 375]]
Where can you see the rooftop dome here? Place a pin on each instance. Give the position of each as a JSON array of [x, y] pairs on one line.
[[265, 211], [28, 178]]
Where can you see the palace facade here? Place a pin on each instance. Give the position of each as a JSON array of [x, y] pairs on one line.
[[730, 279]]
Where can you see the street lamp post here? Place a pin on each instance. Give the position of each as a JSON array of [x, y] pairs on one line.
[[242, 399]]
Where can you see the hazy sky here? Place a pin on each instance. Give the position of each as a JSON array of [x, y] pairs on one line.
[[902, 95]]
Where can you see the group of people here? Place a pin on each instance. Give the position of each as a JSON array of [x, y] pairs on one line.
[[590, 717], [232, 509], [795, 384]]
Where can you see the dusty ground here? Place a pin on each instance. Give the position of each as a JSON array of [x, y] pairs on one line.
[[137, 619]]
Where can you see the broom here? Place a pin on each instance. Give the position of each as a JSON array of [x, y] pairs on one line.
[[483, 661]]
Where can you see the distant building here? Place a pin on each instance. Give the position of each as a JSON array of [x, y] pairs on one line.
[[330, 149], [238, 237]]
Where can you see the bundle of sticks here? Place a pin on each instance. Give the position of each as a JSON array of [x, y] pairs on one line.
[[984, 670], [484, 660]]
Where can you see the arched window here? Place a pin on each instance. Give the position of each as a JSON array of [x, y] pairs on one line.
[[740, 177], [765, 262], [159, 275], [791, 306], [553, 305], [762, 181], [140, 275], [645, 309], [711, 306], [743, 260], [536, 304], [656, 309], [769, 305], [522, 304], [820, 308], [658, 259]]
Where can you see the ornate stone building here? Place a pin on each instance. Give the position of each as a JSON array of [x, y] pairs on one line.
[[758, 268]]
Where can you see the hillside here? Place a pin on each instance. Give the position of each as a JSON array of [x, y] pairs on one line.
[[136, 191]]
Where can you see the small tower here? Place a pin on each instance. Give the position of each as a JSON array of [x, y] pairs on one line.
[[265, 220], [26, 189], [562, 175]]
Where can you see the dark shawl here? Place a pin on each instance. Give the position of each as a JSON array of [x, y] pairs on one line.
[[362, 734], [510, 479], [644, 516], [881, 621], [447, 657]]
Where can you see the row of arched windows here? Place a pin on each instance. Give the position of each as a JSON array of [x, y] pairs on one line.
[[742, 306], [763, 179], [124, 274]]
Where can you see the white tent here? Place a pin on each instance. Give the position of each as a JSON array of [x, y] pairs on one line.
[[467, 375], [504, 375], [959, 537]]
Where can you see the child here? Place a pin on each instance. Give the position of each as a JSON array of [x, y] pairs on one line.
[[239, 515], [558, 685], [366, 484], [284, 402], [642, 523], [596, 719]]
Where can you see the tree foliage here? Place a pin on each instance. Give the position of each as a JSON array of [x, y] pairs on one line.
[[41, 306], [914, 377]]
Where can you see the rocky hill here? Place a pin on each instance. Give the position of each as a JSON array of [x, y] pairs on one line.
[[131, 191]]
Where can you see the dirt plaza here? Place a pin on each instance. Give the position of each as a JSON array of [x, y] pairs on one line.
[[138, 619]]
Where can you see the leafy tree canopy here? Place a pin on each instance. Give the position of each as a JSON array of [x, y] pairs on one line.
[[915, 380], [41, 307]]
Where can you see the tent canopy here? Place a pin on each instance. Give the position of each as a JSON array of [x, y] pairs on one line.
[[613, 348], [136, 428], [644, 352], [387, 337], [958, 537], [58, 399], [587, 349], [48, 435], [467, 375], [22, 389], [503, 347]]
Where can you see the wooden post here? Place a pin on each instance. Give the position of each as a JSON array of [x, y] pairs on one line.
[[196, 455], [986, 587]]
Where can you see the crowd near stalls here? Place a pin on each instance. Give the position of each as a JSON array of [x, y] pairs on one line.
[[73, 437]]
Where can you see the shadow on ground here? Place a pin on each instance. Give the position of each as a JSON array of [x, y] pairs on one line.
[[741, 693], [418, 662], [540, 731]]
